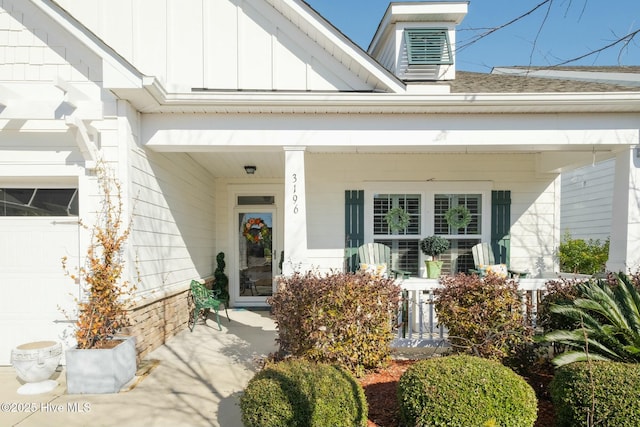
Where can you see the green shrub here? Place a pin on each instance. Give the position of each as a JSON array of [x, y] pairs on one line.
[[597, 393], [608, 317], [305, 394], [343, 319], [465, 391], [483, 315], [583, 256], [558, 292]]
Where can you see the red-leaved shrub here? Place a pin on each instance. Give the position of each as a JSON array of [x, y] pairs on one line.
[[341, 318], [483, 315]]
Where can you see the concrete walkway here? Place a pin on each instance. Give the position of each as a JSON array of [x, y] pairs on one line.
[[193, 380]]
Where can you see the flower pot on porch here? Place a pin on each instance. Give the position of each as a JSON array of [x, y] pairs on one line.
[[433, 269], [104, 370]]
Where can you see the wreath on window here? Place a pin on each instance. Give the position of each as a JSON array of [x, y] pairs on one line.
[[458, 216], [397, 219], [253, 224]]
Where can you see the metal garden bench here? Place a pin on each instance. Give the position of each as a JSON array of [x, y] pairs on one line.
[[204, 300]]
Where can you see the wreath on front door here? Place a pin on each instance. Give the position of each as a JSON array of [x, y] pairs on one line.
[[397, 219], [252, 224], [458, 216]]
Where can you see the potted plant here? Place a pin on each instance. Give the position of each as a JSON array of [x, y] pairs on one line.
[[102, 361], [433, 246]]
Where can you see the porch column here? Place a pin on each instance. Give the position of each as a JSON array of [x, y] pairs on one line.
[[295, 212], [624, 249]]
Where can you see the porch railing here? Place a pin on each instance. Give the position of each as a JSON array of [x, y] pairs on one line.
[[417, 320]]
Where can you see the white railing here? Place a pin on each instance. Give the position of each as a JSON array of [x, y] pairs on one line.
[[417, 320]]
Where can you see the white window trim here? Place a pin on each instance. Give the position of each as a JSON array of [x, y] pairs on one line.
[[427, 190]]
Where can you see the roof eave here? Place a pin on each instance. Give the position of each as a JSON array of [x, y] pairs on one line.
[[154, 99]]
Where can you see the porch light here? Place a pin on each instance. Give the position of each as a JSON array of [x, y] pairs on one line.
[[250, 170]]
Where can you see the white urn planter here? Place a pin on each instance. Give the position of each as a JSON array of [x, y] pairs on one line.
[[103, 370], [34, 363]]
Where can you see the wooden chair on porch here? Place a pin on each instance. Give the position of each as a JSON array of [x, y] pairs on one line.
[[375, 255], [485, 261]]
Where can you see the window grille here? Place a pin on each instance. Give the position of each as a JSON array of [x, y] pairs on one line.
[[382, 203], [443, 202]]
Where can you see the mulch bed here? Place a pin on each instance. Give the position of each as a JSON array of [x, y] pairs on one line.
[[380, 388]]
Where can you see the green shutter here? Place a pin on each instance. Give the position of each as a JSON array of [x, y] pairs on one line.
[[428, 46], [501, 225], [354, 227]]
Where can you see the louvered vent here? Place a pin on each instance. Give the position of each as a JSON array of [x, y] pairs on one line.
[[428, 46]]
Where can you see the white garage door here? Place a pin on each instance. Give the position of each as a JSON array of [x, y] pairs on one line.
[[33, 286]]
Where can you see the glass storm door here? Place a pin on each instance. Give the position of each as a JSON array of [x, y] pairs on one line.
[[255, 258]]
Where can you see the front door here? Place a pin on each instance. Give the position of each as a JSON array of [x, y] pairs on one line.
[[256, 256]]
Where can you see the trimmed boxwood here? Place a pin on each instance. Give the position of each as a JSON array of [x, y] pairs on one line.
[[597, 393], [465, 391], [305, 394]]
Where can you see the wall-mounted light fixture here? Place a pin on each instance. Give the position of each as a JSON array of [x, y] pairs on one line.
[[250, 170]]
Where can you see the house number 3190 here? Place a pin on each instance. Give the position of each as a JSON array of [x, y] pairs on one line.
[[295, 193]]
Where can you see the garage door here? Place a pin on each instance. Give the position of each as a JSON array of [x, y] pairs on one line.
[[33, 287]]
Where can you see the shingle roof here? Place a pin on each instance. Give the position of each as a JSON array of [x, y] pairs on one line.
[[469, 82]]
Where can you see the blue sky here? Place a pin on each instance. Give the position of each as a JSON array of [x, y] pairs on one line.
[[573, 28]]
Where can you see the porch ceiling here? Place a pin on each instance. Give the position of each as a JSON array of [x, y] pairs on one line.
[[270, 161]]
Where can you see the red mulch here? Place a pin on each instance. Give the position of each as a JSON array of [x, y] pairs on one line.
[[380, 389]]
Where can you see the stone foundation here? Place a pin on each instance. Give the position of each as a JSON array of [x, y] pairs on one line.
[[153, 323]]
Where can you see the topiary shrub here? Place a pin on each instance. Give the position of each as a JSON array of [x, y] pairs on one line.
[[465, 391], [483, 315], [221, 281], [597, 393], [305, 394], [343, 318]]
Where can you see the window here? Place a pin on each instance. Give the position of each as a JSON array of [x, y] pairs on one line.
[[38, 202], [256, 200], [382, 203], [428, 46], [404, 244], [458, 258], [442, 203]]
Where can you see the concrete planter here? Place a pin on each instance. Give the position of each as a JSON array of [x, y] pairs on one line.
[[99, 371], [35, 363]]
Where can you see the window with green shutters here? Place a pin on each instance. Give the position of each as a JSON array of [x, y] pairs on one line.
[[426, 212]]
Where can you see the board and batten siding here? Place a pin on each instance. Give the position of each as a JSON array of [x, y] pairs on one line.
[[173, 229], [587, 196], [534, 208], [219, 45]]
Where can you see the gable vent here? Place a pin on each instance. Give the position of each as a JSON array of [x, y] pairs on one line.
[[428, 46]]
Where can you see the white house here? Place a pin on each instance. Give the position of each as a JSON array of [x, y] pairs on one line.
[[586, 192], [256, 129]]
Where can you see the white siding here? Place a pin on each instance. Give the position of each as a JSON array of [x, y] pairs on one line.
[[31, 51], [197, 44], [587, 196], [534, 236], [173, 230]]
